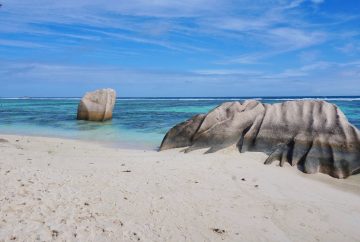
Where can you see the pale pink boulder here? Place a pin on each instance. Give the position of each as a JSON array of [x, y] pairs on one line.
[[97, 105]]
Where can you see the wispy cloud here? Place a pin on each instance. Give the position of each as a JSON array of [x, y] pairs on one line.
[[154, 18], [19, 44], [241, 82], [317, 1], [352, 48], [228, 72], [295, 38], [198, 41]]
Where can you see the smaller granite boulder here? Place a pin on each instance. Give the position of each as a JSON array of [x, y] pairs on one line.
[[97, 105]]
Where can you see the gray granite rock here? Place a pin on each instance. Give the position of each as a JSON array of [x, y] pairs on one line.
[[313, 135]]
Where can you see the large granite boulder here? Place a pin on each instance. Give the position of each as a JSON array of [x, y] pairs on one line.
[[313, 135], [97, 105]]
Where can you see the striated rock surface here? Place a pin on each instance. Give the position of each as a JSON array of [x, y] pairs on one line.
[[313, 135], [97, 105]]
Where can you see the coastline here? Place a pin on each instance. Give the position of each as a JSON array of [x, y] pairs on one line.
[[65, 189], [123, 144]]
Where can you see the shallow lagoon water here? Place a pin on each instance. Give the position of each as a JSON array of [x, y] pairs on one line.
[[137, 122]]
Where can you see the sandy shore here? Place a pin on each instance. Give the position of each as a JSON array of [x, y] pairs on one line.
[[67, 190]]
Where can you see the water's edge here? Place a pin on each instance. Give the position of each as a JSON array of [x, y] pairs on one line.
[[139, 123]]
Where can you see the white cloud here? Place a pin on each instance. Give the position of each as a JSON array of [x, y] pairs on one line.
[[252, 58], [271, 28], [309, 56], [228, 72], [19, 44], [328, 69], [351, 48], [57, 79], [295, 38], [243, 19]]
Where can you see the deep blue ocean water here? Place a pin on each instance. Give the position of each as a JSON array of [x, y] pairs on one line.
[[137, 122]]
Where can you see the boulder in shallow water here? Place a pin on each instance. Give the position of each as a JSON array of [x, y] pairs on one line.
[[313, 135], [97, 105]]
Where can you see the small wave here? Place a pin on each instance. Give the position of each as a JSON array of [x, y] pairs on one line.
[[40, 98], [243, 98], [185, 99], [196, 99], [313, 98]]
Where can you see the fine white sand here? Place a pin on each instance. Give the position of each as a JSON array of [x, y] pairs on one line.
[[67, 190]]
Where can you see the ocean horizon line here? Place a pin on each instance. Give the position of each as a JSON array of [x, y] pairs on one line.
[[342, 98]]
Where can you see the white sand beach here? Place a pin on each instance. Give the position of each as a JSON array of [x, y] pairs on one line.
[[69, 190]]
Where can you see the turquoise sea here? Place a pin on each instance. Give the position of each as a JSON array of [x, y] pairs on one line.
[[136, 123]]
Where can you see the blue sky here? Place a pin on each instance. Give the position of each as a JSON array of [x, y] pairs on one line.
[[180, 48]]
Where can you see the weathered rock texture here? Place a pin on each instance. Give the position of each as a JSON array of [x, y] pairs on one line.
[[314, 135], [97, 105]]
